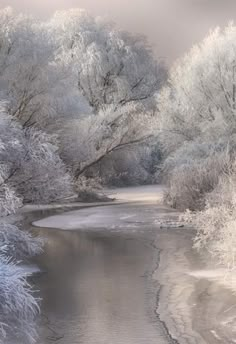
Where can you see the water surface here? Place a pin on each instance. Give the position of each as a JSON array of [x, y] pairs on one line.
[[97, 285]]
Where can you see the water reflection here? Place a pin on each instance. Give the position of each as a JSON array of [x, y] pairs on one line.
[[96, 288]]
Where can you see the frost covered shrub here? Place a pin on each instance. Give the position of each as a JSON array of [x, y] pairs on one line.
[[18, 306], [194, 172], [90, 190], [188, 153], [200, 99], [84, 183], [9, 201], [216, 224], [17, 243], [43, 177], [30, 167]]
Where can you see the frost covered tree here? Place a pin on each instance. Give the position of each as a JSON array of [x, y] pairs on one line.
[[32, 83], [30, 169], [118, 77], [98, 136], [200, 99], [109, 66], [25, 53], [57, 75], [197, 109]]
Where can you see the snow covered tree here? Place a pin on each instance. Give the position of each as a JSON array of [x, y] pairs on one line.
[[200, 99], [30, 167], [25, 53], [98, 136], [197, 118], [42, 176], [109, 66], [198, 126], [38, 91], [117, 75]]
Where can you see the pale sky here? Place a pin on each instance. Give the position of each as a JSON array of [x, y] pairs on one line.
[[172, 26]]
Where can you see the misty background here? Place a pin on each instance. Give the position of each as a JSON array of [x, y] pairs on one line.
[[172, 26]]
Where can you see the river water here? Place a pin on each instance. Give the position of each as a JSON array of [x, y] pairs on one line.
[[101, 269], [96, 283]]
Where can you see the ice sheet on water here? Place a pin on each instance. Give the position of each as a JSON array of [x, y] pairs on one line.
[[131, 215]]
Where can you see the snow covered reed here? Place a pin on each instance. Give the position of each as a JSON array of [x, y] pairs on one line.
[[18, 306]]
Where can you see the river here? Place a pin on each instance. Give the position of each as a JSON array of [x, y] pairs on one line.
[[101, 280]]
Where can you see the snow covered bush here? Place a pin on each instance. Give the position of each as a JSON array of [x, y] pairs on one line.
[[216, 224], [9, 201], [17, 243], [193, 171], [90, 190], [18, 305], [43, 177], [30, 167]]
